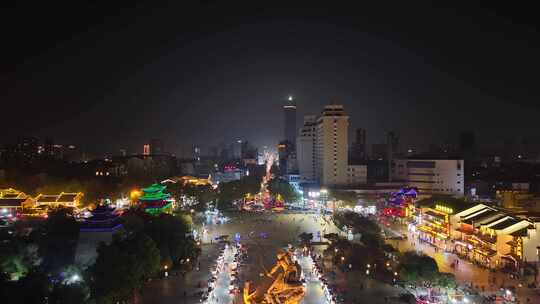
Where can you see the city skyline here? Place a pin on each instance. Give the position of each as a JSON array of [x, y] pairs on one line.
[[119, 76]]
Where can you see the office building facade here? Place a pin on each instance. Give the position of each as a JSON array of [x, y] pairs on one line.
[[289, 130], [305, 149], [331, 146], [431, 176]]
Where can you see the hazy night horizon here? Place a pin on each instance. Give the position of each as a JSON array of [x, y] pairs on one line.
[[118, 76]]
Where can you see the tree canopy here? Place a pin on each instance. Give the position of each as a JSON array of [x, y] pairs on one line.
[[237, 189], [347, 198], [58, 239], [122, 267], [170, 234], [418, 268], [278, 186]]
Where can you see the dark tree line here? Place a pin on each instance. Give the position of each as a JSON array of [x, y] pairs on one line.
[[42, 263]]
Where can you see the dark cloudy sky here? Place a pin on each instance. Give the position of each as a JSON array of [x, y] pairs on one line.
[[106, 76]]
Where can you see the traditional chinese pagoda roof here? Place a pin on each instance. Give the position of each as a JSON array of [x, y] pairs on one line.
[[505, 224], [12, 202], [484, 217], [154, 193], [103, 219], [68, 197], [154, 188], [12, 193], [61, 198], [521, 232]]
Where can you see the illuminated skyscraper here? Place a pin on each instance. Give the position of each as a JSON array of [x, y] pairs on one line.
[[146, 149], [305, 149], [289, 111], [332, 146]]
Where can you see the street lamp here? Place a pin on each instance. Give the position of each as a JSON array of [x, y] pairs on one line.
[[324, 196], [538, 267]]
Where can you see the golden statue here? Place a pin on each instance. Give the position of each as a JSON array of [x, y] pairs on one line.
[[286, 287]]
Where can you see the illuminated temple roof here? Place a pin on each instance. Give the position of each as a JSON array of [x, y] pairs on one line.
[[64, 198], [154, 193], [154, 200], [11, 198], [103, 219]]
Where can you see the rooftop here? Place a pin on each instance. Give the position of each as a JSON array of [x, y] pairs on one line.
[[11, 202]]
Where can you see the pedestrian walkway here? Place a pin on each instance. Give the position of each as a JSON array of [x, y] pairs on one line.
[[177, 289], [314, 287], [220, 293], [481, 279]]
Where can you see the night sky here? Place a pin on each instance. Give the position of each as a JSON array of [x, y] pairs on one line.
[[105, 76]]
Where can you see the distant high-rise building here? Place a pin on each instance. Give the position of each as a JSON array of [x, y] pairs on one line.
[[156, 147], [284, 151], [392, 144], [358, 149], [237, 149], [431, 175], [146, 149], [305, 147], [27, 148], [289, 111], [331, 146], [379, 151], [197, 153], [48, 148]]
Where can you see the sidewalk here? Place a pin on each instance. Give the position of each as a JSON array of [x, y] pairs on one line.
[[355, 287], [178, 289], [466, 272]]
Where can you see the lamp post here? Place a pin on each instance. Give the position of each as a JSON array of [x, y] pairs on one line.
[[334, 259], [324, 196], [538, 265]]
